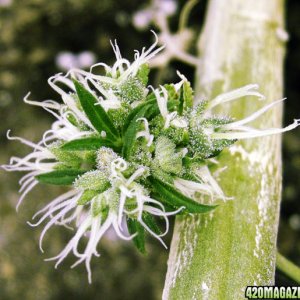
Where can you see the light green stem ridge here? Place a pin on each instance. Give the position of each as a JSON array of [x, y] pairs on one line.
[[288, 267], [215, 256], [183, 20]]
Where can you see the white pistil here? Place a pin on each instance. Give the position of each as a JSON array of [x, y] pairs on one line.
[[189, 188], [248, 90], [181, 82], [67, 98], [25, 192], [141, 58], [33, 162], [161, 100], [205, 175], [24, 141], [252, 117], [139, 172], [51, 104], [84, 74], [107, 94], [231, 135], [122, 69], [179, 123], [63, 129], [170, 117], [145, 133]]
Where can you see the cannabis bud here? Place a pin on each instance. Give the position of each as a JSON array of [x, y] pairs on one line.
[[129, 153]]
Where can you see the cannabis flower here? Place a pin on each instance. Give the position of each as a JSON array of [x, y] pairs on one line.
[[128, 152]]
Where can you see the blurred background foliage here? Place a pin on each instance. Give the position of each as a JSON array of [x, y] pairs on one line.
[[39, 38]]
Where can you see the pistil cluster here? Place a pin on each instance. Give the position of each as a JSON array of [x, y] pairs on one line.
[[130, 153]]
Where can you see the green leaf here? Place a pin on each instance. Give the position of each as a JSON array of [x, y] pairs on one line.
[[86, 144], [188, 95], [148, 109], [171, 196], [70, 159], [139, 240], [172, 104], [181, 101], [99, 206], [168, 159], [130, 134], [151, 112], [96, 114], [93, 180], [59, 177], [131, 90], [87, 196], [168, 208], [188, 161], [172, 94], [143, 73], [151, 223], [135, 111]]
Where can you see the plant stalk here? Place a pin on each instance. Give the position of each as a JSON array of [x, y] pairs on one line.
[[216, 255]]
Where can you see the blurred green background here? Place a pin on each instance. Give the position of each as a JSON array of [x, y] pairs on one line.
[[39, 38]]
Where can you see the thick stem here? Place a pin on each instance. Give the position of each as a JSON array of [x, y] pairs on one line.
[[216, 256], [288, 268]]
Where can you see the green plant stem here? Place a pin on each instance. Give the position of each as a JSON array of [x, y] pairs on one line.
[[215, 256], [288, 267], [183, 19]]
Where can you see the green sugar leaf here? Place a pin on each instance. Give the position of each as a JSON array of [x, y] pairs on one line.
[[151, 112], [171, 196], [130, 134], [70, 159], [168, 159], [95, 112], [151, 223], [216, 122], [132, 90], [87, 196], [181, 103], [137, 110], [59, 177], [188, 96], [99, 206], [87, 144], [139, 240], [172, 94], [92, 180], [143, 73]]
